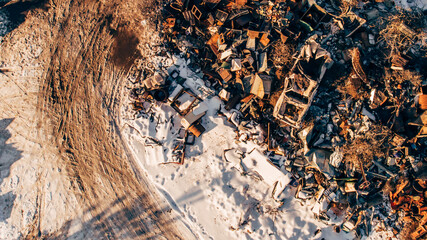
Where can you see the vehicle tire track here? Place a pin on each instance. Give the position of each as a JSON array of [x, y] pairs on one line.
[[79, 97]]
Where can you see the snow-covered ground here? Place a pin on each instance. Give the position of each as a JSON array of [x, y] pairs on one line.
[[407, 4], [215, 197], [33, 186]]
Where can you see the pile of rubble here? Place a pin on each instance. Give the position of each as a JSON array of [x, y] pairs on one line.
[[337, 87]]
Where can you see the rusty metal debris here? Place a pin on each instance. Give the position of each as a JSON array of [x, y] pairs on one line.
[[301, 85], [348, 117]]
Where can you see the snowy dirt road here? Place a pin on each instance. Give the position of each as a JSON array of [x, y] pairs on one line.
[[67, 172]]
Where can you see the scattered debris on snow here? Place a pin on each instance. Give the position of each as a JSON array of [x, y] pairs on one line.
[[335, 131]]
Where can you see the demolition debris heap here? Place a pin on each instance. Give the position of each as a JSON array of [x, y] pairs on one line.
[[338, 88]]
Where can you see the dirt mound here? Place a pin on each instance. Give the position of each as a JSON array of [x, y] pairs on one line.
[[125, 49]]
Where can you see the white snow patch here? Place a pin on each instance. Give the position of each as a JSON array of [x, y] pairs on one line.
[[407, 4]]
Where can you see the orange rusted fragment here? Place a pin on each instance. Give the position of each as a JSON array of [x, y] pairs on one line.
[[264, 39], [253, 34], [419, 232], [400, 187], [248, 98], [169, 23], [213, 43]]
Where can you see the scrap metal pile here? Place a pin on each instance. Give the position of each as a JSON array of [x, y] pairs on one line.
[[336, 87]]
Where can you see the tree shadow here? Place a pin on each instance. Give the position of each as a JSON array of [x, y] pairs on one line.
[[8, 155], [191, 197], [257, 220], [16, 11], [139, 221], [6, 201]]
